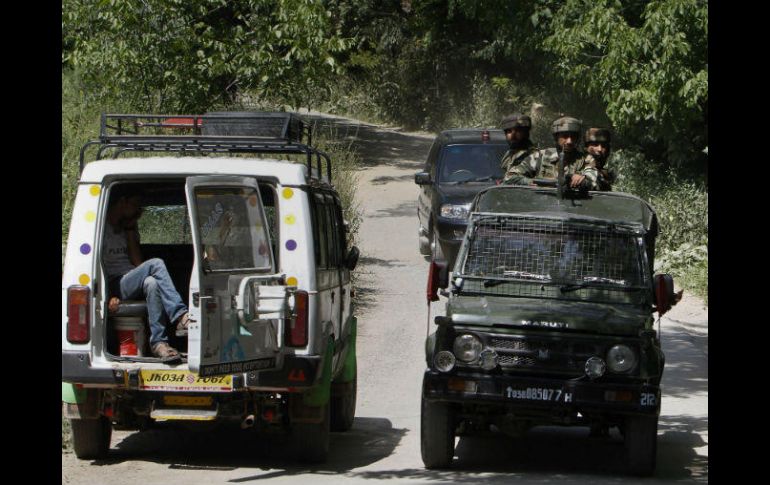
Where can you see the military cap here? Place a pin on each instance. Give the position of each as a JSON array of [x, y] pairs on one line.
[[516, 120], [566, 124], [599, 135]]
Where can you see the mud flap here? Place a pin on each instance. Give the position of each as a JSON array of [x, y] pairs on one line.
[[309, 407], [349, 367], [86, 408]]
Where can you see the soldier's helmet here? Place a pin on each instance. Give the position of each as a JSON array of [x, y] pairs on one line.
[[516, 120], [566, 124], [598, 135]]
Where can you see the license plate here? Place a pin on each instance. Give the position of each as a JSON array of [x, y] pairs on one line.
[[542, 394], [176, 380]]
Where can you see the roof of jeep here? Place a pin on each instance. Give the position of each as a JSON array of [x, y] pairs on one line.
[[471, 135], [286, 172], [607, 206]]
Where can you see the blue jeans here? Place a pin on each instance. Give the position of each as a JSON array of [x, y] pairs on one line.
[[151, 281]]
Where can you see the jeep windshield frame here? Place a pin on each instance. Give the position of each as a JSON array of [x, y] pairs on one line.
[[553, 257]]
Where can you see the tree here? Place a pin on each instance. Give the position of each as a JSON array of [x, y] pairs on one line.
[[646, 61], [188, 55]]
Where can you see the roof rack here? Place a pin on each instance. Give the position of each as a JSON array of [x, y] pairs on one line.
[[216, 132]]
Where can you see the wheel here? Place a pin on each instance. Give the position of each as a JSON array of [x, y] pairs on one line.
[[312, 439], [437, 434], [436, 253], [343, 405], [91, 437], [641, 439]]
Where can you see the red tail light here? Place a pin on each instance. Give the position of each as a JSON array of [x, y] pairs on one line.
[[78, 321], [296, 328]]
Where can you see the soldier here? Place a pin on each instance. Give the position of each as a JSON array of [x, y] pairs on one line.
[[516, 128], [597, 142], [544, 163]]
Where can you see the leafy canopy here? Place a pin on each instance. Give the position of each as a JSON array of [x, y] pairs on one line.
[[189, 55]]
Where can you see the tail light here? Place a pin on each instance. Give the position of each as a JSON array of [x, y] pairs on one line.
[[296, 328], [78, 321], [485, 135]]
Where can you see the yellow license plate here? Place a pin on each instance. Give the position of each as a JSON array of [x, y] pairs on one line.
[[177, 380]]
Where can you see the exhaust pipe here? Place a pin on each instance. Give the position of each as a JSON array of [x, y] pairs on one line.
[[248, 422]]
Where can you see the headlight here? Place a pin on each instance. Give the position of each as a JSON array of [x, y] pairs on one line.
[[467, 347], [621, 358], [451, 211]]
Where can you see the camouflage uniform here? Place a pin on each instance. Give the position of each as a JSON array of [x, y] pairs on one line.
[[513, 157], [605, 177], [544, 164]]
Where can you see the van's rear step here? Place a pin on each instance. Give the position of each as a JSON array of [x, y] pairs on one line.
[[168, 414]]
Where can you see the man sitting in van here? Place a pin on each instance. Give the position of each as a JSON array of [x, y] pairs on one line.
[[130, 278]]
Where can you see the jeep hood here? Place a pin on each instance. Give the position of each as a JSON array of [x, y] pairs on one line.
[[556, 314], [461, 193]]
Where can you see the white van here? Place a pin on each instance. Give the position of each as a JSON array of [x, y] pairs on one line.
[[271, 341]]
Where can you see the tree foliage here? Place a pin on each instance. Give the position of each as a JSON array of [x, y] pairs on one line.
[[642, 64], [646, 61], [189, 55]]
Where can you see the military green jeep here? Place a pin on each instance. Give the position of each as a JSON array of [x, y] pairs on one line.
[[549, 321]]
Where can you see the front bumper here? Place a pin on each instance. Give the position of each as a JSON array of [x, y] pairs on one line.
[[542, 394]]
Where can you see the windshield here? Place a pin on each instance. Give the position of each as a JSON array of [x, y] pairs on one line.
[[468, 163], [566, 257]]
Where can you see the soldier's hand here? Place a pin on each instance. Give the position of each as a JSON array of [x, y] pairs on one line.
[[576, 181]]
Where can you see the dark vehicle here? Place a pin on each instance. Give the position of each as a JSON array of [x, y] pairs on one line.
[[460, 163], [549, 321]]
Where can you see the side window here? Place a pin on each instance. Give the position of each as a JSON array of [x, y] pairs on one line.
[[319, 232], [339, 231], [331, 237], [165, 225], [430, 164]]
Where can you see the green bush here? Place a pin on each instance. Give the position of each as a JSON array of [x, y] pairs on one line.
[[682, 208]]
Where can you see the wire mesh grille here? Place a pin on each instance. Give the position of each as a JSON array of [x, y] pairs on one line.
[[543, 250]]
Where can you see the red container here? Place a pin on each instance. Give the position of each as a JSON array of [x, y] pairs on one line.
[[127, 342]]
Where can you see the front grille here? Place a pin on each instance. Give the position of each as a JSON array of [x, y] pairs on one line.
[[545, 354]]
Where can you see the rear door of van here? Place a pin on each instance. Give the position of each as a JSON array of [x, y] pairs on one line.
[[238, 303]]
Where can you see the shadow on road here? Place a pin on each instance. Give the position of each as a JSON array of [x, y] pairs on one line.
[[555, 455], [226, 447], [376, 146]]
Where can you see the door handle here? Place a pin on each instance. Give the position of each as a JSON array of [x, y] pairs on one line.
[[197, 298]]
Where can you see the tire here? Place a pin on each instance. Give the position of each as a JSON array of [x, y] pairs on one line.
[[437, 434], [312, 439], [91, 437], [343, 407], [641, 440]]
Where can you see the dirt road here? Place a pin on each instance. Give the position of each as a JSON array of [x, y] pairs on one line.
[[384, 441]]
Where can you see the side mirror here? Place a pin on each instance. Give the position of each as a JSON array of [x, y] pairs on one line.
[[352, 258], [665, 298], [438, 277], [422, 178]]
